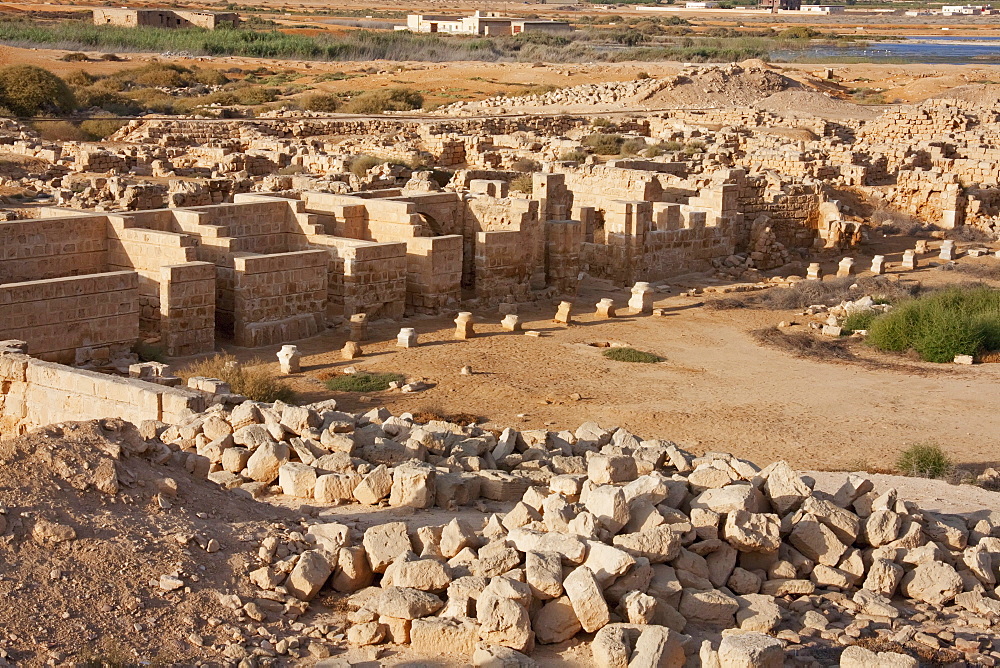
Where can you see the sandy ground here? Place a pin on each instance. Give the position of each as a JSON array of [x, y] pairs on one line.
[[717, 390]]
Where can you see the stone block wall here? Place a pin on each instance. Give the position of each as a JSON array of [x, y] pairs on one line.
[[363, 277], [793, 211], [32, 250], [433, 272], [279, 298], [58, 316], [34, 393], [187, 308], [502, 269], [563, 240], [146, 252]]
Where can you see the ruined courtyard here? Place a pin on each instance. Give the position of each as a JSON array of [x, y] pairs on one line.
[[514, 495]]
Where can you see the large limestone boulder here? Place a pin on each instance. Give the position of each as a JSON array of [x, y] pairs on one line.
[[932, 582], [751, 650]]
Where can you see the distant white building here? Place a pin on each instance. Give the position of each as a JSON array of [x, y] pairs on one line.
[[701, 5], [489, 24], [823, 9], [966, 10]]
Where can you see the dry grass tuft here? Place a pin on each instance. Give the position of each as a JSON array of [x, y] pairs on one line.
[[251, 379]]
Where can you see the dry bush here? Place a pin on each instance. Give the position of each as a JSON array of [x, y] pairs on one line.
[[60, 131], [98, 128], [805, 345], [892, 221], [835, 290], [603, 144], [27, 90], [387, 99], [724, 304], [987, 270], [360, 165], [523, 184], [971, 234], [321, 102], [526, 165], [251, 379]]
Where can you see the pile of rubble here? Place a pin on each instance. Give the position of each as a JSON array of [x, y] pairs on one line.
[[665, 556], [610, 92]]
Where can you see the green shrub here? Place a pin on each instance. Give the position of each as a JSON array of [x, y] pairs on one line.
[[208, 76], [386, 99], [857, 321], [361, 164], [27, 90], [671, 145], [252, 379], [523, 184], [158, 74], [154, 100], [322, 102], [924, 460], [363, 382], [941, 325], [99, 128], [525, 165], [642, 75], [573, 156], [600, 122], [631, 355], [603, 144], [79, 78], [633, 146], [60, 131], [75, 57], [109, 100], [694, 147]]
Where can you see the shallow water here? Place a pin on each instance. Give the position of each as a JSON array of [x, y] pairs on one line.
[[952, 50]]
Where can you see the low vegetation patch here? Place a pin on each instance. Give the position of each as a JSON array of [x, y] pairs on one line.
[[924, 460], [961, 320], [360, 165], [861, 320], [989, 269], [802, 344], [26, 90], [522, 183], [321, 102], [640, 39], [381, 101], [832, 291], [624, 354], [252, 379], [363, 382], [604, 144]]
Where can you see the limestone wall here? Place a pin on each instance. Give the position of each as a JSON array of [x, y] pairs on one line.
[[502, 268], [35, 393], [57, 316], [279, 298], [433, 272], [363, 276], [146, 252], [187, 308], [32, 250]]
